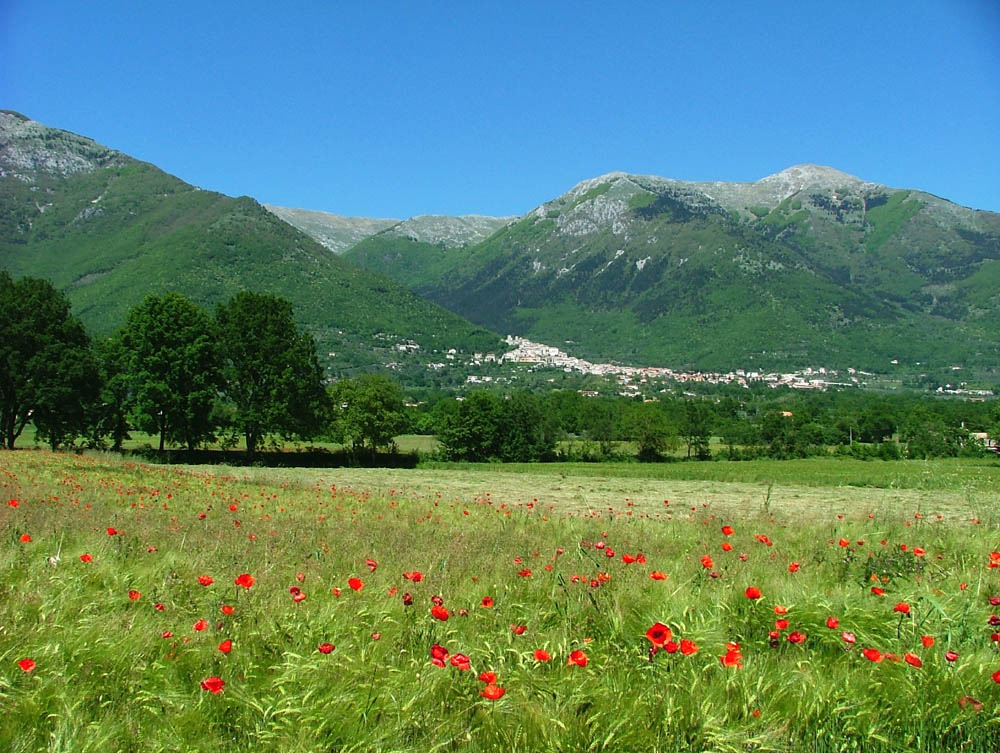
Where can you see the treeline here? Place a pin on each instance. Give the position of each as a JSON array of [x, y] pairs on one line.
[[177, 371], [782, 423]]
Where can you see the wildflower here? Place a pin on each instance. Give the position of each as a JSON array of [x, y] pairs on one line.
[[205, 580], [461, 661], [25, 538], [873, 655], [200, 625], [950, 655], [372, 564], [902, 607], [542, 655], [487, 602], [226, 646], [794, 567], [657, 575], [727, 530], [227, 610], [246, 580], [213, 685], [848, 637], [687, 647], [518, 629], [26, 665], [525, 573], [927, 640], [796, 637], [753, 593], [733, 656], [439, 655], [706, 562], [726, 546], [355, 584], [658, 634], [913, 660], [488, 677], [832, 623], [134, 595], [86, 558], [439, 613], [492, 692], [325, 648], [578, 657]]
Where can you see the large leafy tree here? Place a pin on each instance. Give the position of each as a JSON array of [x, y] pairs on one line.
[[47, 371], [174, 368], [369, 412], [272, 374]]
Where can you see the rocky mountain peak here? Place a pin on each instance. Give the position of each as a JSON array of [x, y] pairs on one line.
[[28, 148]]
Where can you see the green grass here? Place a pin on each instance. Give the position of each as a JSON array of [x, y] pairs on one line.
[[106, 678]]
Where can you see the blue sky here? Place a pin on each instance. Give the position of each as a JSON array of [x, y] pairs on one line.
[[390, 109]]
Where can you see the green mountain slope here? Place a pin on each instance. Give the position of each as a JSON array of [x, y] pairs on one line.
[[108, 230], [808, 266]]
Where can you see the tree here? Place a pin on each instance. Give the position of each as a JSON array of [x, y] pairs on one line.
[[487, 427], [369, 412], [47, 373], [271, 373], [173, 365], [648, 426], [696, 428], [115, 397]]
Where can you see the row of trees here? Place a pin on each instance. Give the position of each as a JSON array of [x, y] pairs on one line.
[[176, 371]]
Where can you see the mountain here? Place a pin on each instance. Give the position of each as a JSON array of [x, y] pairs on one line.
[[336, 232], [109, 229], [810, 266]]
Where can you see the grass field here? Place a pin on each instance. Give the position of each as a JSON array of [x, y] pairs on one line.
[[123, 627]]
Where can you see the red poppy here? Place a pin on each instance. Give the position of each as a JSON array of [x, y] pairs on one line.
[[416, 576], [844, 542], [134, 595], [439, 654], [706, 562], [832, 623], [111, 531], [628, 559], [407, 600], [873, 655], [658, 634], [657, 575], [670, 647], [205, 580], [325, 648], [727, 530], [246, 580], [902, 607], [796, 637], [848, 637], [781, 624], [26, 665], [487, 602], [492, 692], [439, 613], [13, 503], [525, 573], [996, 676], [25, 538], [878, 591], [86, 558], [159, 607], [542, 655], [227, 610], [950, 655], [780, 609], [687, 647], [355, 584], [166, 634], [372, 564], [913, 660], [200, 625], [213, 685], [226, 646], [733, 658], [578, 658], [437, 601], [299, 596], [726, 546], [753, 592], [794, 567], [461, 661]]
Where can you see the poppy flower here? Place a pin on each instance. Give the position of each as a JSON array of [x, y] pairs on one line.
[[796, 637], [794, 567], [205, 580], [848, 637], [134, 595], [86, 558], [166, 634], [781, 624], [658, 634], [355, 584], [372, 564], [657, 575], [227, 610], [968, 700], [913, 660], [844, 543], [726, 546], [727, 530], [25, 538], [487, 602], [873, 655], [325, 648], [732, 658], [488, 677], [159, 607], [902, 607], [246, 580], [832, 623], [213, 685], [518, 629], [628, 559], [780, 609], [26, 665], [439, 613], [542, 655], [706, 562], [671, 647], [578, 658], [407, 600], [525, 573], [753, 593], [200, 625], [461, 661], [416, 576], [687, 647], [996, 676], [492, 692], [437, 601], [112, 531], [878, 591], [950, 655], [439, 655], [226, 646], [299, 596], [13, 503]]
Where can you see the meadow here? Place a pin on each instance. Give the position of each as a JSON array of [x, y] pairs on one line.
[[760, 607]]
